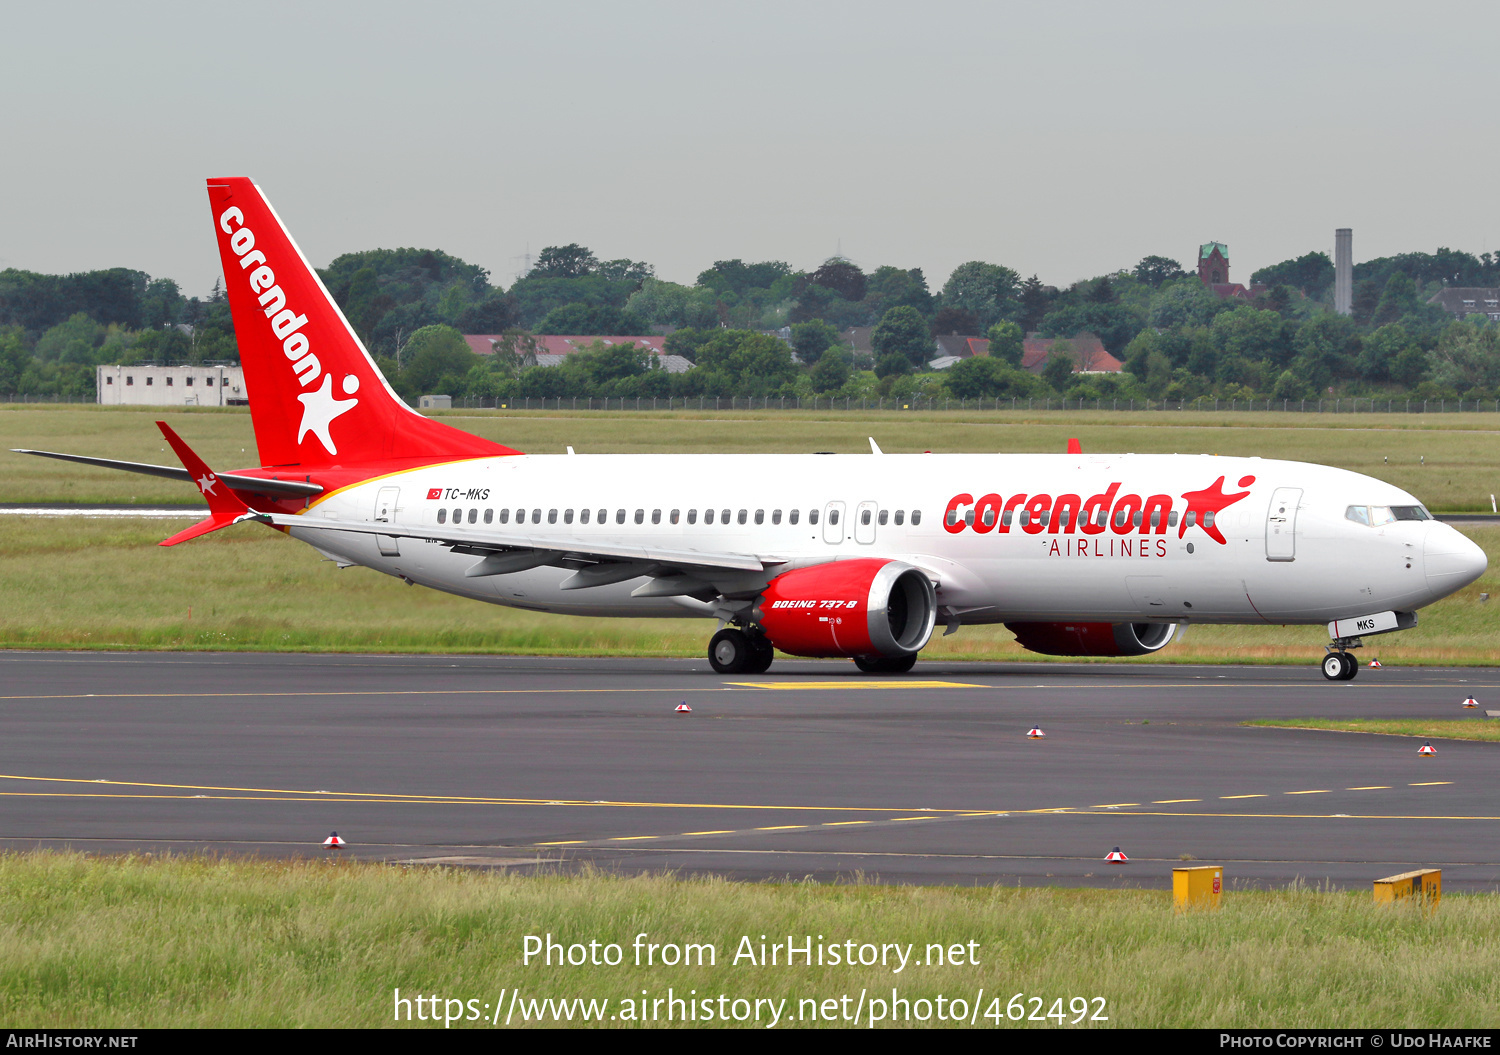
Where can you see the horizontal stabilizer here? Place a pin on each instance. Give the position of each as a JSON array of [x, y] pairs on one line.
[[287, 488]]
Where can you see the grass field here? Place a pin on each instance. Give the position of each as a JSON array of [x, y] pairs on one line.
[[71, 583], [1461, 451], [133, 942], [1478, 728]]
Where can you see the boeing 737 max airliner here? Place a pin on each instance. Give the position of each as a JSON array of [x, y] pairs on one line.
[[855, 556]]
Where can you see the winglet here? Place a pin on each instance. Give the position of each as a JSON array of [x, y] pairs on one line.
[[875, 447], [1074, 447], [224, 506]]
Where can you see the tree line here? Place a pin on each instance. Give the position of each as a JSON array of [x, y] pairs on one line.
[[767, 329]]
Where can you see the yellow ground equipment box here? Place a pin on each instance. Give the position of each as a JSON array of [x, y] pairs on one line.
[[1424, 883], [1200, 886]]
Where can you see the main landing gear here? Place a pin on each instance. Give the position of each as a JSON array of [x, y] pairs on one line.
[[1338, 664], [735, 651]]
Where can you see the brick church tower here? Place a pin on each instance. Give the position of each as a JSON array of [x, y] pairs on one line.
[[1213, 263]]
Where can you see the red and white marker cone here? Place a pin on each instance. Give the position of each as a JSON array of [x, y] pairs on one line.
[[1374, 664], [683, 708], [333, 842], [1426, 749], [1035, 733], [1116, 857], [1470, 702]]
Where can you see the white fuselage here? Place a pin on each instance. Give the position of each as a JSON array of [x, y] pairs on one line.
[[1309, 565]]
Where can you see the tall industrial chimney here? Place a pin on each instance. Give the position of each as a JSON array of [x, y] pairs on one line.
[[1343, 270]]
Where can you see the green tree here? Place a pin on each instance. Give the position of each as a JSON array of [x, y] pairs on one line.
[[1007, 342], [890, 287], [564, 261], [72, 341], [832, 372], [1312, 273], [1381, 349], [902, 331], [1247, 332], [989, 291], [1468, 356], [1154, 270], [437, 359], [1059, 369], [1399, 298], [589, 321], [812, 339]]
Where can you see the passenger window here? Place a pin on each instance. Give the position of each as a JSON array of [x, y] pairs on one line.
[[742, 516], [791, 517], [536, 516], [473, 516], [1208, 518], [567, 516], [900, 517], [505, 516], [864, 516], [673, 516], [916, 517], [1192, 516], [884, 514], [583, 515], [1172, 519], [489, 516], [1137, 518], [760, 516], [723, 516], [458, 516], [812, 516], [775, 516], [708, 516], [692, 516], [655, 516], [551, 516], [969, 517], [619, 516], [442, 516], [604, 516], [988, 519], [1156, 518], [640, 516], [833, 516]]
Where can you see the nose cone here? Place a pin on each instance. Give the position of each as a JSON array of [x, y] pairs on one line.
[[1452, 560]]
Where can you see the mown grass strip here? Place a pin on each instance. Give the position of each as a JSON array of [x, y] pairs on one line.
[[132, 942], [1458, 729]]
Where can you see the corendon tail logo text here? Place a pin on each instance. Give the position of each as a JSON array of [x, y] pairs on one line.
[[319, 407], [1108, 511]]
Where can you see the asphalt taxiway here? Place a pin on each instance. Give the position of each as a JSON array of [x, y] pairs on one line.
[[810, 770]]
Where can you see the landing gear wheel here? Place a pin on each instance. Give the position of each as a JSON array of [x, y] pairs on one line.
[[1351, 667], [761, 654], [884, 665], [1340, 666], [729, 651]]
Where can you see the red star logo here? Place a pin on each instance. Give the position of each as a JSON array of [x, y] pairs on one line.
[[1211, 499]]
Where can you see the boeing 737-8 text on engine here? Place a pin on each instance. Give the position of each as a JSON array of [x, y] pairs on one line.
[[860, 557]]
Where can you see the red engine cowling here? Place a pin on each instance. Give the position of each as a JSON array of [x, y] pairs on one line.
[[1093, 639], [865, 607]]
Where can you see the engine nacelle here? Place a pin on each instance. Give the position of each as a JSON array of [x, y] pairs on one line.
[[865, 607], [1093, 639]]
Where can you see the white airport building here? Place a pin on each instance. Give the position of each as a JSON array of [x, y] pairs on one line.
[[172, 386]]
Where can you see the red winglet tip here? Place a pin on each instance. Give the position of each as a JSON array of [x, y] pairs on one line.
[[1074, 447]]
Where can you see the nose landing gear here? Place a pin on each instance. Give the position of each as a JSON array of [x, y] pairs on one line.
[[1338, 664]]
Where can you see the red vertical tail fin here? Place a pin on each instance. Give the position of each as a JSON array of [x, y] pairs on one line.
[[316, 397]]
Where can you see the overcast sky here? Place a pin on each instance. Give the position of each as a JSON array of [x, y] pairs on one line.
[[1062, 139]]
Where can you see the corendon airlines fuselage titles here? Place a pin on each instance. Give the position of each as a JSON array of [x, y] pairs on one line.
[[860, 556]]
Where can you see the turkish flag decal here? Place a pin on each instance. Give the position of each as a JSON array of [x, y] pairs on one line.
[[434, 492]]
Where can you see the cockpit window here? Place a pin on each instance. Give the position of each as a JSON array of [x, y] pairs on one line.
[[1376, 516]]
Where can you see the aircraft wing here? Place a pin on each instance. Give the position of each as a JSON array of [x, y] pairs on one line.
[[554, 550], [295, 488]]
